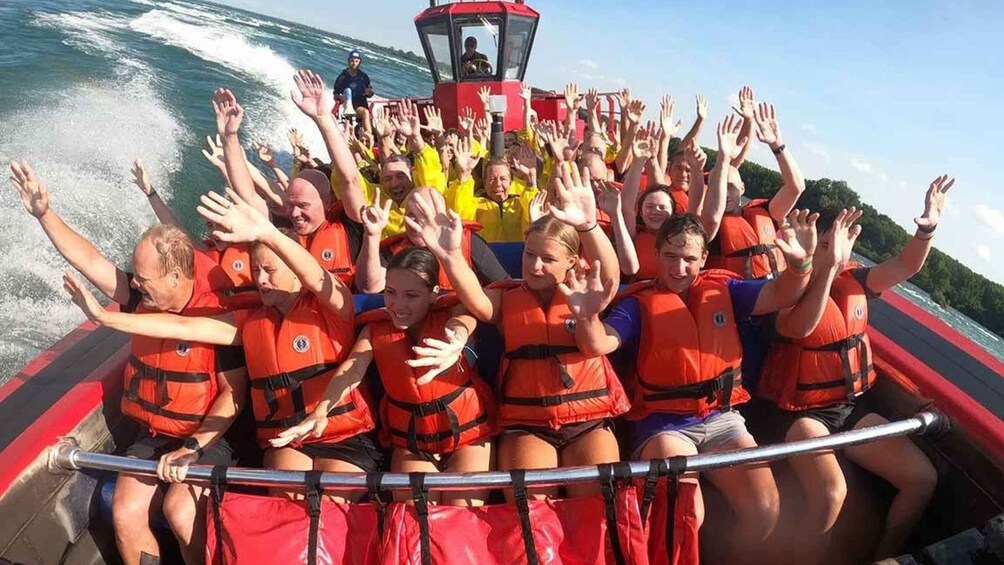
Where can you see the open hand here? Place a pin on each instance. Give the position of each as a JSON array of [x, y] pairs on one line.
[[236, 220], [433, 119], [840, 240], [702, 107], [229, 114], [797, 237], [140, 178], [441, 230], [215, 153], [608, 199], [536, 209], [83, 298], [264, 153], [572, 99], [466, 120], [575, 203], [584, 292], [729, 144], [374, 218], [484, 94], [309, 94], [34, 196], [934, 202], [439, 355], [747, 106], [767, 130], [312, 427]]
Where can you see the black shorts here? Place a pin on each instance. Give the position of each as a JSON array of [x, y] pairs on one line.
[[360, 450], [151, 448], [774, 423], [565, 435]]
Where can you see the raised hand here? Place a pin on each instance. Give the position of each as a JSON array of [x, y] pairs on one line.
[[140, 178], [584, 292], [215, 153], [695, 156], [33, 194], [439, 355], [407, 122], [482, 131], [433, 119], [264, 153], [635, 110], [592, 100], [462, 156], [702, 107], [525, 92], [466, 120], [747, 106], [83, 298], [236, 220], [384, 127], [374, 218], [523, 160], [536, 209], [309, 94], [575, 203], [484, 94], [729, 144], [641, 145], [797, 237], [767, 130], [624, 98], [441, 230], [608, 199], [840, 239], [934, 202], [229, 114], [572, 99], [666, 116]]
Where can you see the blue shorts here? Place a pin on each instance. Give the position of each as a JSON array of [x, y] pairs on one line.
[[712, 433]]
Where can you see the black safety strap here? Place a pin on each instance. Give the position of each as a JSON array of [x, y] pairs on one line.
[[217, 488], [230, 292], [721, 384], [850, 377], [161, 377], [437, 406], [154, 408], [376, 494], [420, 496], [750, 252], [555, 400], [313, 481], [672, 489], [290, 381], [656, 469], [518, 477], [608, 486], [545, 351]]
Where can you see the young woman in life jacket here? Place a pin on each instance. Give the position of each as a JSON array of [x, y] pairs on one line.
[[820, 364], [685, 329], [555, 403], [437, 414], [293, 343]]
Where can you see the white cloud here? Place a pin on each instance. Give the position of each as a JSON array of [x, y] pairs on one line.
[[990, 217], [818, 150], [589, 64], [983, 251], [808, 127], [861, 165], [883, 177]]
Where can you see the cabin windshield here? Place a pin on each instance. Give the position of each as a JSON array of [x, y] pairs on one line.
[[517, 46], [437, 41], [478, 42]]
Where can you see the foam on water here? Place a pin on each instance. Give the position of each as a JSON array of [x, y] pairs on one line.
[[229, 46], [92, 33]]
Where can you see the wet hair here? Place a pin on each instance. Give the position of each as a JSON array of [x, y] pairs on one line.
[[553, 228], [827, 216], [418, 260], [288, 232], [174, 248], [676, 224]]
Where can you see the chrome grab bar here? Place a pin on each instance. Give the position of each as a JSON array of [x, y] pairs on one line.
[[66, 455]]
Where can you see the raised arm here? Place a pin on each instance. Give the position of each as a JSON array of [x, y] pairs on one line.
[[697, 159], [801, 320], [309, 98], [911, 259], [609, 200], [215, 157], [77, 250], [239, 222], [160, 209], [632, 117], [221, 330], [229, 115], [586, 297], [525, 93], [695, 130], [408, 123], [769, 132], [797, 241], [729, 146], [746, 109], [592, 111], [641, 149], [573, 102], [371, 275]]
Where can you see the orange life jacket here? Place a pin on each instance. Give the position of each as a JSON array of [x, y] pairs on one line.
[[235, 261], [648, 259], [681, 200], [170, 384], [291, 361], [453, 410], [689, 355], [745, 243], [833, 364], [544, 379], [330, 246], [399, 242]]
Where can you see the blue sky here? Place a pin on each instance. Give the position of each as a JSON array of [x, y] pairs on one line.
[[885, 95]]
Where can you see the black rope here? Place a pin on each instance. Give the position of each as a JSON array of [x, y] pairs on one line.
[[518, 477]]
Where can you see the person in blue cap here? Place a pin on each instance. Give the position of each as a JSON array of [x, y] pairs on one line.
[[353, 85]]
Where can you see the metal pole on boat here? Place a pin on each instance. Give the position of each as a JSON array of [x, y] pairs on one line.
[[66, 455]]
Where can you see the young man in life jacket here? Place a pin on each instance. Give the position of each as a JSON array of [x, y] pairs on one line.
[[183, 415], [685, 326], [821, 363], [437, 413], [742, 236], [375, 252], [555, 402], [294, 344]]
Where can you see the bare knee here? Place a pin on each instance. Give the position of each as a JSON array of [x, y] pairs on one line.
[[130, 514], [760, 511], [180, 511], [919, 480]]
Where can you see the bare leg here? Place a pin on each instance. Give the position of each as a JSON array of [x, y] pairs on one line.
[[404, 461], [663, 446], [520, 450], [184, 509], [287, 459], [825, 490], [469, 459], [136, 498], [752, 493], [339, 466], [905, 466], [594, 448]]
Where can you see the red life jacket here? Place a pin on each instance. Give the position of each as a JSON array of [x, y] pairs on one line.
[[170, 384], [453, 410], [399, 242], [648, 258], [235, 261], [544, 379], [745, 243], [329, 244], [833, 364], [690, 355], [291, 361], [681, 200]]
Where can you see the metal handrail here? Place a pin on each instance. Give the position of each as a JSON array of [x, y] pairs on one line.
[[68, 456]]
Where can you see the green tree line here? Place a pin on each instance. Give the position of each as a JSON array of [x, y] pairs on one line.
[[949, 282]]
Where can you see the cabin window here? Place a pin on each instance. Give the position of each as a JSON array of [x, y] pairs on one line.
[[437, 44], [517, 47], [478, 46]]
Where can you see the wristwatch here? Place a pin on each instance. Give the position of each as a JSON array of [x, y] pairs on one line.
[[193, 444]]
